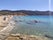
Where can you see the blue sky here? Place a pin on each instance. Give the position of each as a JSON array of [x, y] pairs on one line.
[[24, 4], [52, 5]]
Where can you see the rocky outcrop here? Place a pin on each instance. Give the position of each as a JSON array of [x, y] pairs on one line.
[[5, 32], [25, 37], [48, 36], [4, 19]]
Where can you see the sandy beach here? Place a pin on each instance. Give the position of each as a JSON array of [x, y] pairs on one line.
[[1, 28]]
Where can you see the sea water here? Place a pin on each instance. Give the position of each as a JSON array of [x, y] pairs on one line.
[[27, 25]]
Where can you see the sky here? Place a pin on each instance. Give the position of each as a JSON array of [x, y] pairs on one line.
[[51, 5], [41, 5]]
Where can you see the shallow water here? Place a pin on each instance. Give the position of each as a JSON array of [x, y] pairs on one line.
[[26, 25]]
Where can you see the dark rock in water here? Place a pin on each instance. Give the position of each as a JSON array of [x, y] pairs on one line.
[[16, 21], [32, 22], [48, 36], [35, 21]]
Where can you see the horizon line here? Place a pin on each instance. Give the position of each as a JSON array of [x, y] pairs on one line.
[[24, 9]]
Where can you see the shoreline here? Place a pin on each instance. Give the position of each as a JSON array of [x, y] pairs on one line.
[[19, 36], [25, 37]]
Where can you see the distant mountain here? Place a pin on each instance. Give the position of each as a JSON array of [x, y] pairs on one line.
[[25, 12]]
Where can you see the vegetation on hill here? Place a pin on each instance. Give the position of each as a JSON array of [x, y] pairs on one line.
[[24, 12]]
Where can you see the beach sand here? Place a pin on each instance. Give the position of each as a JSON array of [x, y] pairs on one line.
[[1, 28]]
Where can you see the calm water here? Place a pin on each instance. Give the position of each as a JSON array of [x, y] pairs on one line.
[[26, 25]]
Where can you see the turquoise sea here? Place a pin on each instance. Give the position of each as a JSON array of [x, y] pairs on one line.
[[27, 25]]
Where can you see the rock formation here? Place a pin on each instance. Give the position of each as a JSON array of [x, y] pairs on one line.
[[4, 19], [5, 32], [25, 37]]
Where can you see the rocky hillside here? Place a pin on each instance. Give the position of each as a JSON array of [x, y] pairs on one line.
[[24, 12]]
